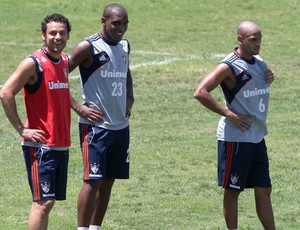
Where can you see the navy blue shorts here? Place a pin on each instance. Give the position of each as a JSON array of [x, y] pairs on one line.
[[105, 152], [243, 165], [47, 172]]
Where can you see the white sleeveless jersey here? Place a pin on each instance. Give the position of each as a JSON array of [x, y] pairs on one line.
[[104, 82], [249, 97]]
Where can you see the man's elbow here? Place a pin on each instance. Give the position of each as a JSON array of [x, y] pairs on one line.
[[3, 95], [198, 94], [202, 95]]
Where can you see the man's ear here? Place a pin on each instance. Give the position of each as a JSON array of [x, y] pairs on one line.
[[240, 39], [43, 36], [103, 20]]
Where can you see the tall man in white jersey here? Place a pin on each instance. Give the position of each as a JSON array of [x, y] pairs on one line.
[[103, 61], [242, 154]]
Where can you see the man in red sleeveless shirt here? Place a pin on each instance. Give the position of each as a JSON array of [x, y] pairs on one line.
[[43, 76]]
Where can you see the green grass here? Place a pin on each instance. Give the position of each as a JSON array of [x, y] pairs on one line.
[[173, 181]]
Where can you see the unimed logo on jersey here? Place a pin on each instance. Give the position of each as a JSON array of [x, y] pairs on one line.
[[58, 85], [256, 92], [113, 74]]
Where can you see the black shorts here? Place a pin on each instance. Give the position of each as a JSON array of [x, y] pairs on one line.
[[105, 152], [47, 172], [243, 165]]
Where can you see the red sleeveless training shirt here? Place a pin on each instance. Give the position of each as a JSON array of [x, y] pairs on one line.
[[48, 101]]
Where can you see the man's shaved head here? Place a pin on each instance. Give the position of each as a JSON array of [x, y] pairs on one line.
[[247, 27], [112, 7]]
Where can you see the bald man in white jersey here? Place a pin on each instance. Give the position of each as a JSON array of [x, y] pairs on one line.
[[103, 61], [242, 154]]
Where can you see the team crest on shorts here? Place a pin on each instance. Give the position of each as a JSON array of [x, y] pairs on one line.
[[234, 178], [95, 167], [45, 186]]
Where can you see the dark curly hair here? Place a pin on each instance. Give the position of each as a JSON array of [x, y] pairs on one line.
[[55, 18]]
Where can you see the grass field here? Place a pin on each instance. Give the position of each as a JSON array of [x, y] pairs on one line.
[[174, 44]]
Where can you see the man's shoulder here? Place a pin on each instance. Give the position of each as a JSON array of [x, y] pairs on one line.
[[229, 58], [94, 37]]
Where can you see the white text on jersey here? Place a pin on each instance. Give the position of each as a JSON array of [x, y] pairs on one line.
[[58, 85]]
